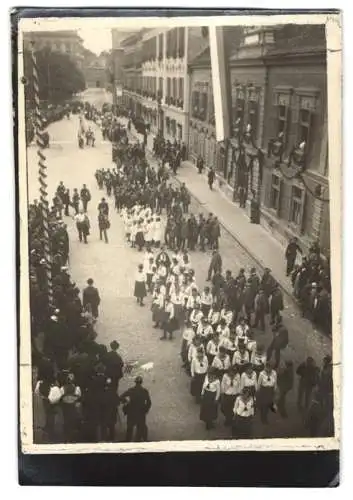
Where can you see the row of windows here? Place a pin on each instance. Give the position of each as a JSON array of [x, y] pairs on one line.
[[174, 129], [296, 202], [147, 86], [175, 45], [291, 117]]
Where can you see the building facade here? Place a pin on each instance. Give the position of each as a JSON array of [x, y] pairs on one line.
[[67, 42], [276, 150], [156, 82]]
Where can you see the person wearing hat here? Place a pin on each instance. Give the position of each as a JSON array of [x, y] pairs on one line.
[[243, 411], [215, 264], [261, 308], [91, 298], [103, 207], [308, 374], [210, 394], [195, 315], [267, 282], [114, 364], [85, 197], [230, 388], [279, 342], [291, 254], [103, 225], [140, 285], [276, 303], [137, 404]]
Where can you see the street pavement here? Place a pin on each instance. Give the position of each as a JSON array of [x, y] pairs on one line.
[[174, 415]]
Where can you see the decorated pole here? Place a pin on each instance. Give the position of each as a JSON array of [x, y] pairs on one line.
[[39, 136]]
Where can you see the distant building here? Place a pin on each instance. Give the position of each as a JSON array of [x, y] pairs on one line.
[[155, 76], [66, 42], [94, 69]]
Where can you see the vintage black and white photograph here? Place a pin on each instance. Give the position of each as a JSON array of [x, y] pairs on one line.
[[180, 224]]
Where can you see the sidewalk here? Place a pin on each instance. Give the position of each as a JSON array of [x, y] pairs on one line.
[[255, 240]]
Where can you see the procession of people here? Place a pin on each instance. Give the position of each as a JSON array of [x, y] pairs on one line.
[[220, 325]]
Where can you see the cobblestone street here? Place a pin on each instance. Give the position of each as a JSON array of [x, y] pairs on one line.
[[174, 415]]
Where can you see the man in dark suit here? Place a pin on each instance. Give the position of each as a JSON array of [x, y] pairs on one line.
[[137, 403], [114, 364], [91, 298]]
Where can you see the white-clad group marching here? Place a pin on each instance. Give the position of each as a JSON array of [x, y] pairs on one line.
[[142, 227], [228, 368]]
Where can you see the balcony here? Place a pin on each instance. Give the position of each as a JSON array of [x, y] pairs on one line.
[[175, 102]]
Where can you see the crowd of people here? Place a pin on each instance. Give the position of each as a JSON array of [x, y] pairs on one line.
[[311, 283], [221, 325]]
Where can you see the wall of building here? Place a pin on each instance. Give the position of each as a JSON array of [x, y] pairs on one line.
[[301, 79]]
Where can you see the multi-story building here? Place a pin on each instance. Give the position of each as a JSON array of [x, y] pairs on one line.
[[67, 42], [276, 148], [156, 65]]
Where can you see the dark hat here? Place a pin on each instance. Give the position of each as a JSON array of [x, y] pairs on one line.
[[138, 380]]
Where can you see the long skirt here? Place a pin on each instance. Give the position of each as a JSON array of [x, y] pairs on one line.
[[140, 240], [242, 427], [209, 407], [179, 314], [196, 384], [157, 313], [140, 289], [227, 405], [265, 397], [170, 325]]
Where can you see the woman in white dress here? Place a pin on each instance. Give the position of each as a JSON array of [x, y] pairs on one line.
[[140, 285]]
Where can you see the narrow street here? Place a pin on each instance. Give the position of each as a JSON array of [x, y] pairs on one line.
[[174, 415]]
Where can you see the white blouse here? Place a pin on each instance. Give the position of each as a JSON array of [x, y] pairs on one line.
[[198, 366], [207, 299], [214, 386], [192, 301], [214, 316], [258, 359], [221, 364], [229, 344], [242, 331], [240, 359], [188, 334], [223, 331], [212, 348], [230, 386], [248, 381], [204, 330], [195, 316], [169, 308], [140, 277], [242, 408], [267, 379], [227, 315]]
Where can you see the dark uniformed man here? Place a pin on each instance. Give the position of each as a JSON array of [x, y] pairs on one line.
[[85, 197], [91, 298], [137, 403]]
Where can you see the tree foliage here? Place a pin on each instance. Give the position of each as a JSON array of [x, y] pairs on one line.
[[59, 77]]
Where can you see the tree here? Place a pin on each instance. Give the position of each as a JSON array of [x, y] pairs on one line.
[[59, 77]]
